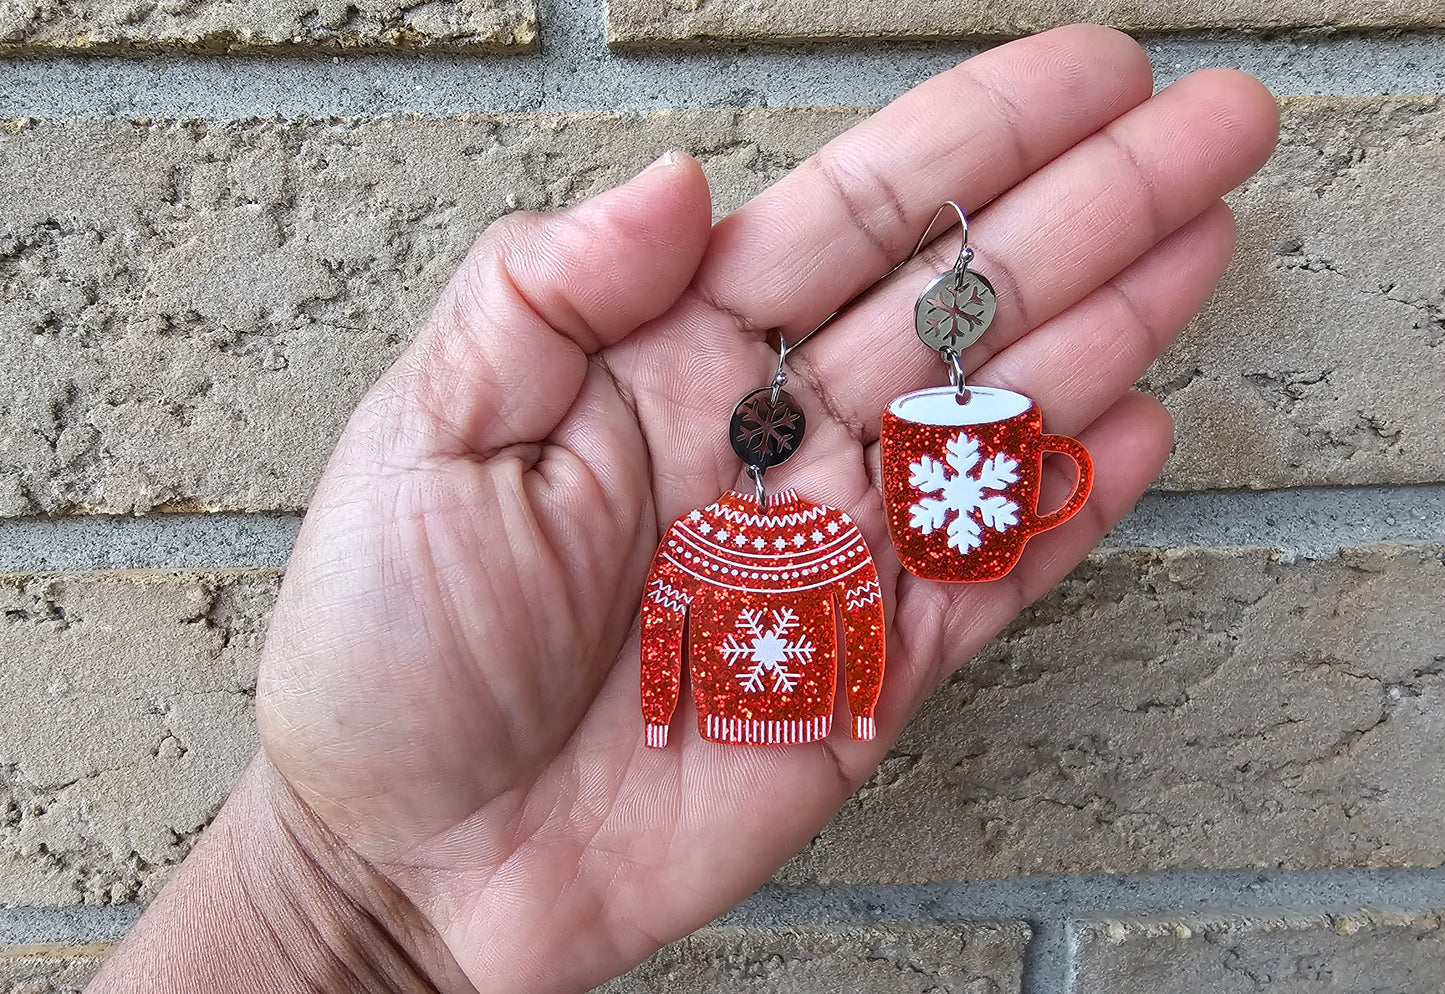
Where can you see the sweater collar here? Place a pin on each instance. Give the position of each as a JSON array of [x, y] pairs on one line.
[[784, 500]]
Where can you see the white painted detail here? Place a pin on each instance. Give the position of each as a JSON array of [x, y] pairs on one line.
[[769, 650], [656, 736], [667, 596], [962, 495], [865, 729], [939, 406], [762, 731], [867, 592]]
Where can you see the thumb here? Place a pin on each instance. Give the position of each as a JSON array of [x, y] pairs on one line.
[[505, 351]]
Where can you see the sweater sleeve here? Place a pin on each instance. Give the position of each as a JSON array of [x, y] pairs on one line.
[[864, 643], [665, 601]]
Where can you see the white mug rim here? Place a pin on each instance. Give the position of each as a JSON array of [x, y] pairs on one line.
[[940, 409]]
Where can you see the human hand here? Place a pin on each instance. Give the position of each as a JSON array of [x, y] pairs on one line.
[[450, 682]]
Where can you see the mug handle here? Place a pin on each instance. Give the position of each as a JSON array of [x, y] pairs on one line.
[[1074, 449]]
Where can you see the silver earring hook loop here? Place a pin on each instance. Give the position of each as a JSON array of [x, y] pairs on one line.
[[758, 490], [965, 254], [780, 376], [955, 374]]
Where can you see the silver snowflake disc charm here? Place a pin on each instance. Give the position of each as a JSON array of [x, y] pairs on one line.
[[962, 493], [765, 432], [954, 313]]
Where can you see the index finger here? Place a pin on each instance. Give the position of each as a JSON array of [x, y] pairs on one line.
[[804, 247]]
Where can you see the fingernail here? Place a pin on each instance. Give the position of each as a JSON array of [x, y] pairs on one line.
[[669, 158]]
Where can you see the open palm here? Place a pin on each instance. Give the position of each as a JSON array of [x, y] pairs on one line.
[[451, 678]]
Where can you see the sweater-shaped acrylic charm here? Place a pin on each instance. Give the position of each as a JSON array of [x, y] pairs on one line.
[[962, 465], [749, 597]]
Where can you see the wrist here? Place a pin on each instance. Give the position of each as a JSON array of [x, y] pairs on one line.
[[269, 901]]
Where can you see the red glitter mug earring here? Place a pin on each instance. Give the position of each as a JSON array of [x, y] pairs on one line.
[[749, 590], [962, 465]]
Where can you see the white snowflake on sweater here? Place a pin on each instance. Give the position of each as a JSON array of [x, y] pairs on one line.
[[768, 649], [962, 494]]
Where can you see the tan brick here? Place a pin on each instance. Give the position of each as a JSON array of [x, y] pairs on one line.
[[1372, 952], [1179, 710], [50, 968], [691, 22], [1194, 709], [241, 25], [190, 310], [1320, 359], [889, 959], [128, 713]]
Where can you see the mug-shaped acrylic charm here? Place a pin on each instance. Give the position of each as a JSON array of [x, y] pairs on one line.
[[962, 465], [961, 481]]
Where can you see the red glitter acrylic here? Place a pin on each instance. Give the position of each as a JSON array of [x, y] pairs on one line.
[[749, 596], [961, 480]]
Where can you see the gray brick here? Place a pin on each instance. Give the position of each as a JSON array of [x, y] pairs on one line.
[[50, 968], [963, 957], [241, 25], [128, 710], [1174, 710], [1370, 952], [691, 22], [190, 310]]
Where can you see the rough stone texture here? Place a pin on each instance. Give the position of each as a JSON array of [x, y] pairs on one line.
[[963, 957], [239, 25], [1373, 952], [938, 958], [50, 968], [1199, 709], [128, 710], [673, 22], [190, 310], [1320, 359], [1172, 710]]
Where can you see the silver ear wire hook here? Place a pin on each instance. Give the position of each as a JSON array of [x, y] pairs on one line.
[[965, 254], [951, 314], [960, 267], [780, 378]]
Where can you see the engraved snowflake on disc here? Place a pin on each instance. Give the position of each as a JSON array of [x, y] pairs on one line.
[[765, 432], [954, 317]]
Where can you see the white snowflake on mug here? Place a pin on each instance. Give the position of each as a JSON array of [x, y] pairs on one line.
[[964, 495], [768, 649]]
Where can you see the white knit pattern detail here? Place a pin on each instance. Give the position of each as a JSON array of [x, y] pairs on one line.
[[741, 583], [755, 519], [666, 595], [761, 731], [862, 595]]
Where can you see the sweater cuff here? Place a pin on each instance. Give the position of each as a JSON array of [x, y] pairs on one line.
[[864, 728], [656, 736]]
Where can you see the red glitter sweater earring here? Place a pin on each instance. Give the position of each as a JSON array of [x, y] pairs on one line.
[[749, 590]]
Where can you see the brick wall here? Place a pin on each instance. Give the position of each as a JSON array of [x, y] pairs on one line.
[[1209, 760]]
